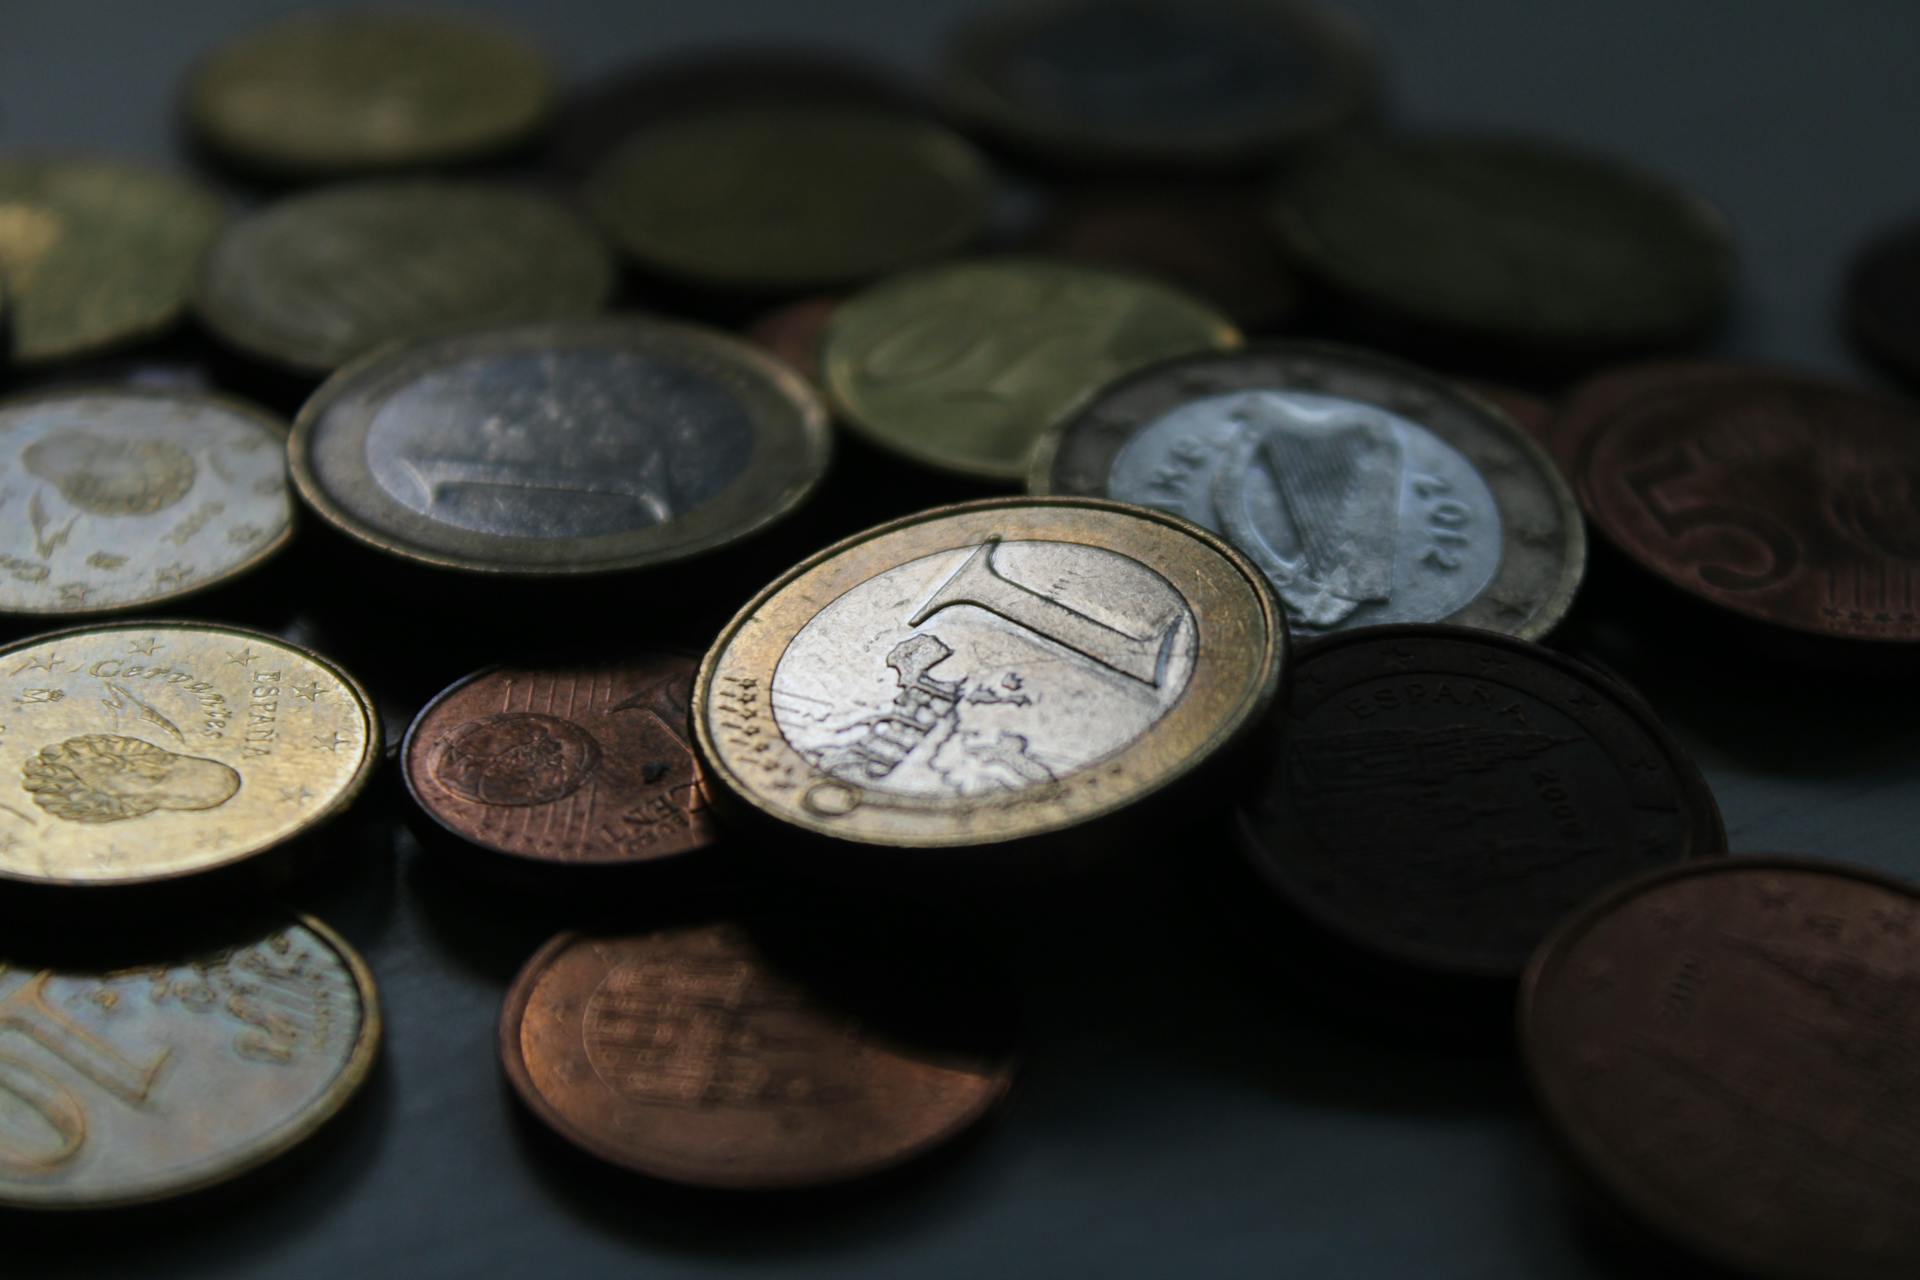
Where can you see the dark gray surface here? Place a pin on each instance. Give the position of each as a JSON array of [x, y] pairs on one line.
[[1179, 1115]]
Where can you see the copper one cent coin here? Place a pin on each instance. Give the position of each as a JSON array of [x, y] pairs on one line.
[[1784, 499], [1442, 797], [582, 764], [1728, 1048], [696, 1056]]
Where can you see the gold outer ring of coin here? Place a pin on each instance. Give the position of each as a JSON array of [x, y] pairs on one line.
[[1205, 720], [239, 408], [315, 1116], [343, 799]]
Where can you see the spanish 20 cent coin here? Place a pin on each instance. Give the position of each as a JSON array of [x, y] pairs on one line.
[[96, 254], [145, 751], [565, 764], [695, 1055], [330, 94], [1367, 490], [1727, 1049], [1441, 797], [169, 1075], [964, 366], [580, 446], [986, 672], [315, 280], [125, 498]]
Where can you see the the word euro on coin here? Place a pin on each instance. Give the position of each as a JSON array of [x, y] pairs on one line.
[[965, 366], [987, 672], [318, 279], [128, 498], [173, 1073], [581, 446], [96, 254], [790, 197], [1367, 490], [142, 751], [330, 94]]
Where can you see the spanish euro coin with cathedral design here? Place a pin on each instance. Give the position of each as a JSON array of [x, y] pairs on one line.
[[146, 751], [987, 672], [1368, 491]]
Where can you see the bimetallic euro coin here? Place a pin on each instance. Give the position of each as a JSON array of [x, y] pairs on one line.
[[170, 1074], [124, 498], [790, 197], [96, 254], [1368, 491], [965, 366], [144, 751], [582, 446], [329, 94], [987, 672], [319, 279]]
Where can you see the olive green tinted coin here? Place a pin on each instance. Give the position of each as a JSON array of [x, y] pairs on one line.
[[315, 280], [96, 254], [965, 366], [124, 498], [1512, 240], [166, 1073], [582, 446], [330, 94], [790, 197]]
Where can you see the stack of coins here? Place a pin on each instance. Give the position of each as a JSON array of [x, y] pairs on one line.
[[735, 511]]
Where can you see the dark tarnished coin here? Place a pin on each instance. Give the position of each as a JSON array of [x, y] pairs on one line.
[[145, 1081], [1530, 244], [582, 446], [1531, 413], [1784, 499], [1883, 298], [1153, 82], [797, 333], [96, 254], [574, 764], [1367, 490], [123, 498], [315, 280], [328, 94], [1728, 1049], [1601, 394], [1443, 797], [698, 1056], [789, 197], [966, 365], [987, 672]]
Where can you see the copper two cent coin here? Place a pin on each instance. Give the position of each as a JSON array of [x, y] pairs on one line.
[[581, 764], [697, 1055], [1729, 1049]]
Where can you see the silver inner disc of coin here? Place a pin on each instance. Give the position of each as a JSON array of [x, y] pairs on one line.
[[1355, 514], [985, 668]]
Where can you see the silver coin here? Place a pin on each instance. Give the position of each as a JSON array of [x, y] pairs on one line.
[[1368, 491]]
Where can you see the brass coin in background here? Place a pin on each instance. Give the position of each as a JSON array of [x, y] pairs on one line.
[[699, 1055], [966, 365], [126, 498], [329, 94], [143, 751], [173, 1073], [315, 280], [566, 764], [790, 197], [987, 672], [581, 446], [96, 254]]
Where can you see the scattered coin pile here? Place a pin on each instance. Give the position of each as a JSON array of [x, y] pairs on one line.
[[1159, 264]]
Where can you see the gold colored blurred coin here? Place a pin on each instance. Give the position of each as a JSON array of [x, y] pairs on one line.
[[96, 254], [339, 93], [790, 197], [965, 366], [146, 751]]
